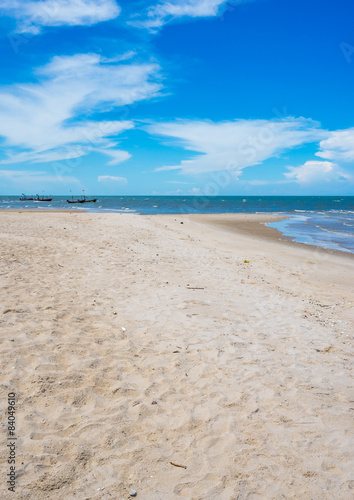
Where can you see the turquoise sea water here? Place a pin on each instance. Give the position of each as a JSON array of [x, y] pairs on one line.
[[325, 221]]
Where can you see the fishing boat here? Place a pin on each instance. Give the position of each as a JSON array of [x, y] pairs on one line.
[[36, 198], [42, 199], [24, 198], [84, 200]]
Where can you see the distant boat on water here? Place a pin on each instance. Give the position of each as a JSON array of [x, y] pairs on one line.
[[82, 200], [25, 198], [36, 198]]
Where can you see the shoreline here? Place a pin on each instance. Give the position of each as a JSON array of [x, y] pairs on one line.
[[255, 226], [248, 224], [42, 211]]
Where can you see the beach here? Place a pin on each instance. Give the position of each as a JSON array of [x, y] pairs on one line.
[[181, 356]]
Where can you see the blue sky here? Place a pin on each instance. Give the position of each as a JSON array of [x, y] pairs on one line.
[[177, 97]]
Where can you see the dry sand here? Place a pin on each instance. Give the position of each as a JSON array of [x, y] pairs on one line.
[[134, 341]]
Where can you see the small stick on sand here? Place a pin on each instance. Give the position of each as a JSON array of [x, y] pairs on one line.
[[176, 465]]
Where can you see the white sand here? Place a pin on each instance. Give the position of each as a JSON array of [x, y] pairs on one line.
[[132, 342]]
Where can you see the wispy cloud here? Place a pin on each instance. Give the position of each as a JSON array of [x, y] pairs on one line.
[[164, 12], [237, 144], [176, 182], [116, 155], [35, 178], [46, 121], [111, 178], [32, 15], [12, 174], [47, 156]]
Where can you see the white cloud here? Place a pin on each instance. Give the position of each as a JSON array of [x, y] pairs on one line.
[[104, 178], [11, 174], [164, 12], [44, 121], [237, 144], [262, 182], [176, 182], [33, 15], [318, 172], [35, 177], [116, 154], [45, 157], [339, 146]]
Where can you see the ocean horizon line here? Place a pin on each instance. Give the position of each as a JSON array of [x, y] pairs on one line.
[[198, 195]]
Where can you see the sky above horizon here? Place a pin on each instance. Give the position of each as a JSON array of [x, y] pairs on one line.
[[203, 97]]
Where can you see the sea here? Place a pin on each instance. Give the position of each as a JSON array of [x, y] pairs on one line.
[[323, 221]]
